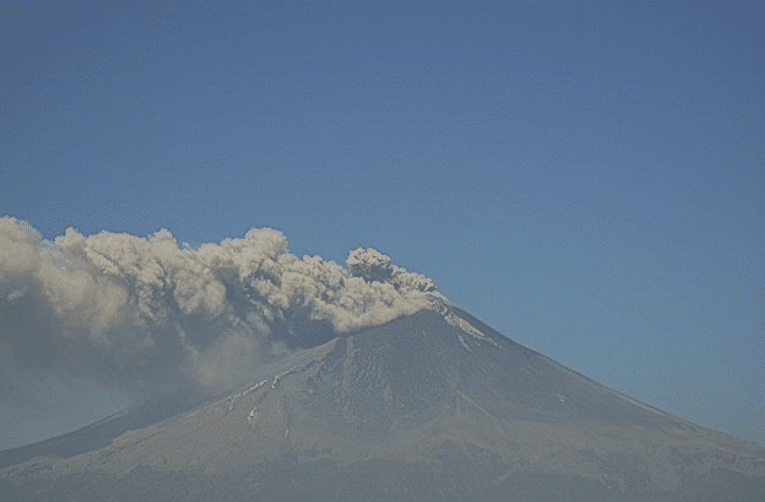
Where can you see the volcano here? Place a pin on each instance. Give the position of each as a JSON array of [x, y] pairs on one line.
[[436, 406]]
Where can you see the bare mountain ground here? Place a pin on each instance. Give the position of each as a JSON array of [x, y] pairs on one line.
[[429, 407]]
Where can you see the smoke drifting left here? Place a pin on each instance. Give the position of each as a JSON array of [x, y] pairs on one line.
[[142, 315]]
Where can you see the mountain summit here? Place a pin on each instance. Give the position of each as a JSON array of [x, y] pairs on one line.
[[433, 406]]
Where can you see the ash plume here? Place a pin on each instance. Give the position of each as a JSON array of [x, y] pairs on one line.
[[141, 314]]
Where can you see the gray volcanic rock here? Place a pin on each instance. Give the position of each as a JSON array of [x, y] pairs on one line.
[[431, 407]]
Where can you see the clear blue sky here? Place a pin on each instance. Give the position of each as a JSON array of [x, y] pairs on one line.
[[586, 177]]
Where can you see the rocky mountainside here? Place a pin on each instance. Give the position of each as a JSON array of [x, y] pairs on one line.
[[435, 406]]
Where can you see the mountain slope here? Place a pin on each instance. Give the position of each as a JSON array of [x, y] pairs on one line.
[[434, 406]]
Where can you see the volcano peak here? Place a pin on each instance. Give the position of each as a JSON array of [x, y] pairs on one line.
[[436, 406]]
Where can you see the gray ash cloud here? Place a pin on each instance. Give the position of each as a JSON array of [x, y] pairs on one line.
[[141, 314]]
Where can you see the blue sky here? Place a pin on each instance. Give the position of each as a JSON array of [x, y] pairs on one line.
[[586, 177]]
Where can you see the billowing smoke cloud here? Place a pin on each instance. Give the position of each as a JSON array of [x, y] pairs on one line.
[[139, 314]]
